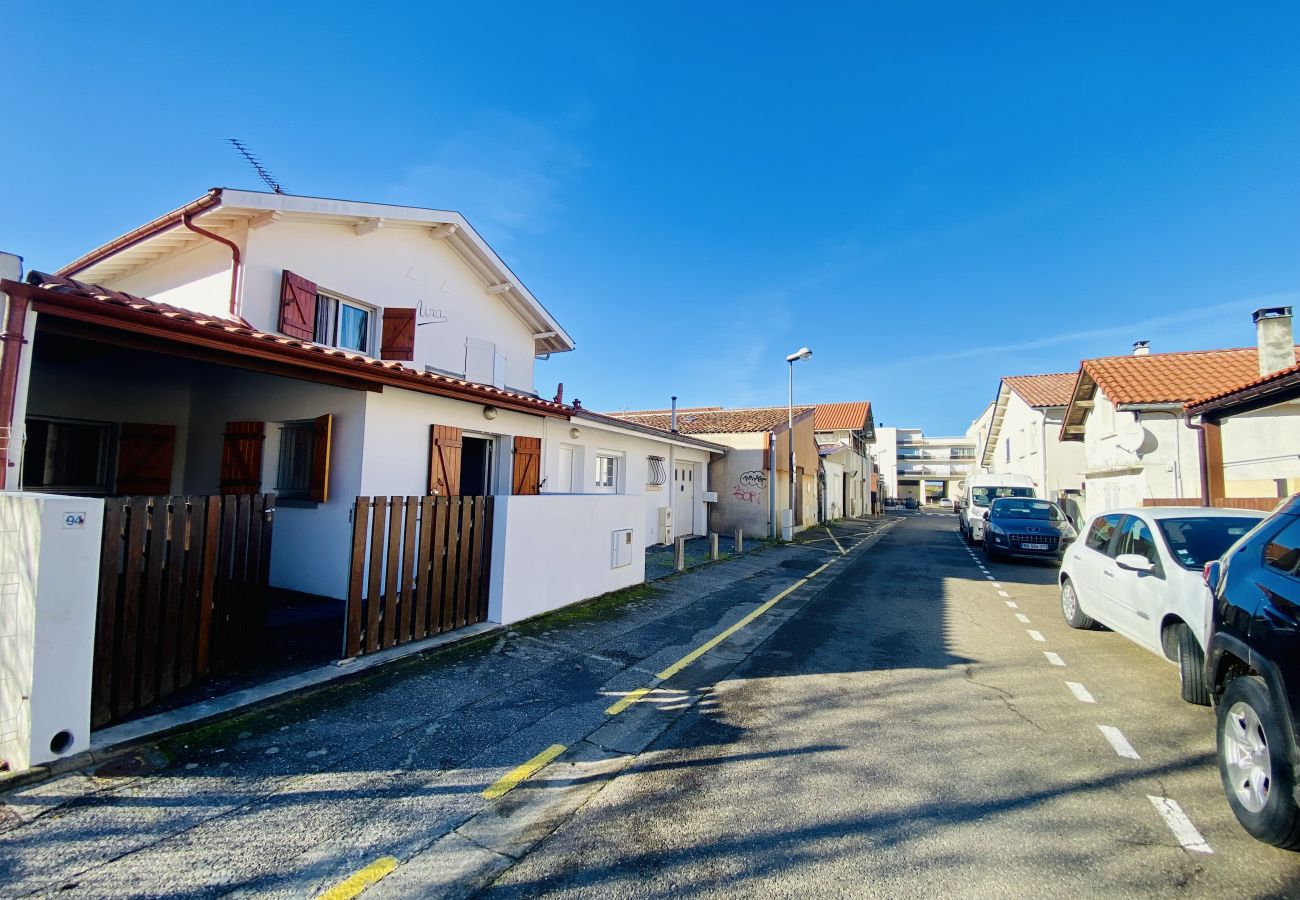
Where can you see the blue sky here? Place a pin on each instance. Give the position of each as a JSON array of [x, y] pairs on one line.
[[928, 195]]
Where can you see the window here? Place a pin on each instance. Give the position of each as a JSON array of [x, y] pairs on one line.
[[1195, 541], [293, 478], [68, 456], [1136, 539], [1099, 534], [1008, 448], [346, 324], [302, 471], [1283, 552], [606, 472]]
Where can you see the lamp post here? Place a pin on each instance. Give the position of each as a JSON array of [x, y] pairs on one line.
[[802, 353]]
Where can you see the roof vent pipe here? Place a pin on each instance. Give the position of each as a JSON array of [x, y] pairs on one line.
[[1274, 336], [1141, 348], [673, 426]]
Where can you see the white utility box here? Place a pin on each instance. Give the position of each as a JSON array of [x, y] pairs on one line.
[[665, 535], [622, 548], [49, 573]]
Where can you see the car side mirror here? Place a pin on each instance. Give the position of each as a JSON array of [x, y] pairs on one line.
[[986, 515], [1135, 563], [1213, 569]]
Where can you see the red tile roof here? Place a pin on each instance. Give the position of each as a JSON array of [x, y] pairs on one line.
[[842, 416], [67, 297], [1172, 377], [1229, 393], [1041, 391], [714, 419]]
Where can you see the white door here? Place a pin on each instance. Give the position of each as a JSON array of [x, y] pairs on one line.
[[564, 472], [684, 490]]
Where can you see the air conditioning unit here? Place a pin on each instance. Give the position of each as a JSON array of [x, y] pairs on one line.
[[665, 535]]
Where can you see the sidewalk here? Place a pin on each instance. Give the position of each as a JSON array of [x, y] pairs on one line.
[[292, 799]]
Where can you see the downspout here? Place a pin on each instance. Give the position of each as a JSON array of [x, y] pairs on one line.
[[771, 484], [1203, 462], [235, 262], [13, 340]]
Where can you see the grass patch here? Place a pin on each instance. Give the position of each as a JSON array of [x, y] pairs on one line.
[[598, 609]]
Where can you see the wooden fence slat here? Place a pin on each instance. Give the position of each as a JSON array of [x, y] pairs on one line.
[[438, 594], [172, 601], [485, 563], [375, 595], [422, 564], [405, 581], [238, 603], [125, 681], [392, 570], [255, 609], [222, 635], [208, 584], [475, 560], [106, 612], [463, 538], [356, 577], [191, 596]]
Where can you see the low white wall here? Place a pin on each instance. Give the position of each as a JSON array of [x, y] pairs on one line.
[[550, 550], [49, 565]]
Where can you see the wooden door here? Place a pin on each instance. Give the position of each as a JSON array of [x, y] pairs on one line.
[[527, 466], [144, 459], [444, 460]]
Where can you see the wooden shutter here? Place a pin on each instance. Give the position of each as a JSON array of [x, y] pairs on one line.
[[144, 459], [297, 307], [318, 488], [398, 338], [444, 460], [528, 465], [241, 457]]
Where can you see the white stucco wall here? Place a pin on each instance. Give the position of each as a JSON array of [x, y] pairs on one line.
[[550, 550], [197, 279], [1259, 448], [633, 450], [1029, 443], [397, 267]]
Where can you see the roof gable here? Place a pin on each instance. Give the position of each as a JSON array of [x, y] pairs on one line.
[[854, 416]]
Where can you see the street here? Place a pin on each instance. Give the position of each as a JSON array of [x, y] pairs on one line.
[[904, 720]]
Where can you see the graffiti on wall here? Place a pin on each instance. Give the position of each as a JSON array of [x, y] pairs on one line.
[[754, 479], [746, 495]]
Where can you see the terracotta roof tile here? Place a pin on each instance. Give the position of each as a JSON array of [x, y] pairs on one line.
[[1044, 390], [712, 419], [238, 329], [1172, 377], [842, 416], [1257, 382]]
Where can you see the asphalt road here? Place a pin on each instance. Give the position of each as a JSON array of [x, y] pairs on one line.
[[905, 734]]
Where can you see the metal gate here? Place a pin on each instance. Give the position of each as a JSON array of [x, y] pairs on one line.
[[419, 567], [181, 589]]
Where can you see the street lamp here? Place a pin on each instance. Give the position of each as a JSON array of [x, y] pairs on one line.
[[802, 353]]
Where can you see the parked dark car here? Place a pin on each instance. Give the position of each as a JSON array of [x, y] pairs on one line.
[[1026, 528], [1252, 667], [910, 503]]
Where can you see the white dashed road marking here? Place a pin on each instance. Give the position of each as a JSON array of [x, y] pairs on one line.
[[1053, 658], [996, 585], [1011, 604], [1080, 692], [1188, 837], [1002, 593], [1022, 618], [1118, 741], [1036, 635]]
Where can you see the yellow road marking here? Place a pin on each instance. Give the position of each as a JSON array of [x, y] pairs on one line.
[[514, 777], [359, 880], [728, 632], [837, 543], [632, 697], [817, 571]]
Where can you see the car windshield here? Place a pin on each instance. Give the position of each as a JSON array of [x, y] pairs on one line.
[[983, 496], [1195, 541], [1004, 508]]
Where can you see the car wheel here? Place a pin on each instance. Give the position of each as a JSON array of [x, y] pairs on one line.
[[1257, 776], [1075, 617], [990, 553], [1191, 666]]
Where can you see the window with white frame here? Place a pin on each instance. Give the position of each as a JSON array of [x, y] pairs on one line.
[[606, 472], [345, 323]]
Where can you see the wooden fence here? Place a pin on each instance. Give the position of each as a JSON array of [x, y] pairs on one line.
[[1267, 504], [420, 566], [181, 587]]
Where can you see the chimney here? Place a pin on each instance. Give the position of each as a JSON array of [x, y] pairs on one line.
[[1273, 334], [673, 426], [1141, 348]]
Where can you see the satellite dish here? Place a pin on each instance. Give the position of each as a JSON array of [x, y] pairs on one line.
[[1130, 436]]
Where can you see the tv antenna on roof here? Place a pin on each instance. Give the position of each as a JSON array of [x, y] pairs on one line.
[[256, 163]]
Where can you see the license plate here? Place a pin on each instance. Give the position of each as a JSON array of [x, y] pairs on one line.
[[1033, 546]]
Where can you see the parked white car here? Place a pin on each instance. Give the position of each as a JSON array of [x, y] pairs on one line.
[[1139, 572]]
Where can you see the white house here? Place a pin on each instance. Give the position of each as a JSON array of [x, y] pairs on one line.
[[844, 434], [1129, 414], [318, 349], [1024, 434]]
